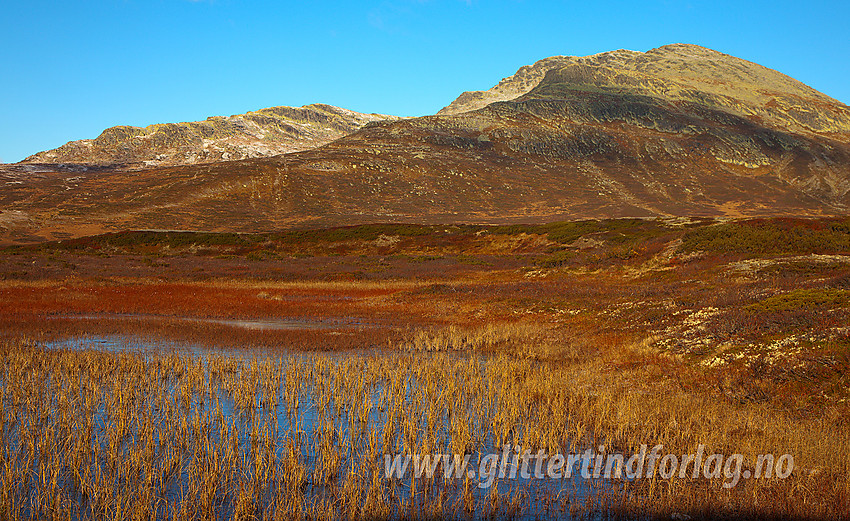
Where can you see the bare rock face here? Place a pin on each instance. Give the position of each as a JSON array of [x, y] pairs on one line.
[[676, 131], [263, 133]]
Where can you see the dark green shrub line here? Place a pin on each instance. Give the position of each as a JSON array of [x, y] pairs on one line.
[[816, 298], [771, 237], [775, 236]]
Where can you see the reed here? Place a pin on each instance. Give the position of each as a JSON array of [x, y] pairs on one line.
[[95, 435]]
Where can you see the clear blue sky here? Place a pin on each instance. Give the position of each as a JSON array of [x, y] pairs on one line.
[[69, 69]]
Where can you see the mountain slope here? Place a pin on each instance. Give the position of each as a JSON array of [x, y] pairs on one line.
[[262, 133], [691, 132], [512, 87]]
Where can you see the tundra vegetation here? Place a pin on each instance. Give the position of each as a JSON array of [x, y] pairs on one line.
[[423, 339]]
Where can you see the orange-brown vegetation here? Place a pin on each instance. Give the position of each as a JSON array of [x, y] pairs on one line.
[[727, 334]]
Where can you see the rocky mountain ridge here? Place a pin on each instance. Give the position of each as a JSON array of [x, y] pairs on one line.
[[262, 133]]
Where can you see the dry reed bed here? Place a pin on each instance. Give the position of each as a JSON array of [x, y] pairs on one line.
[[87, 434]]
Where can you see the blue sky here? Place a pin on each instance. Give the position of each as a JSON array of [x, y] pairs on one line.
[[70, 69]]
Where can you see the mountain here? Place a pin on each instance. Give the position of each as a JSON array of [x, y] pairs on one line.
[[262, 133], [677, 131], [675, 73]]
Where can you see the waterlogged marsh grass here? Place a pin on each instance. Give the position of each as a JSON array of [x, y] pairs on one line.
[[120, 435], [145, 434]]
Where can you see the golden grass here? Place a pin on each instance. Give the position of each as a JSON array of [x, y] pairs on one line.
[[88, 434]]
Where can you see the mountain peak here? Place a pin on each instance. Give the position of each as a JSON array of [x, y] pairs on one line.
[[670, 70]]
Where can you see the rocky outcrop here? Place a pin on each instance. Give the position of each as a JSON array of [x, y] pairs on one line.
[[263, 133]]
